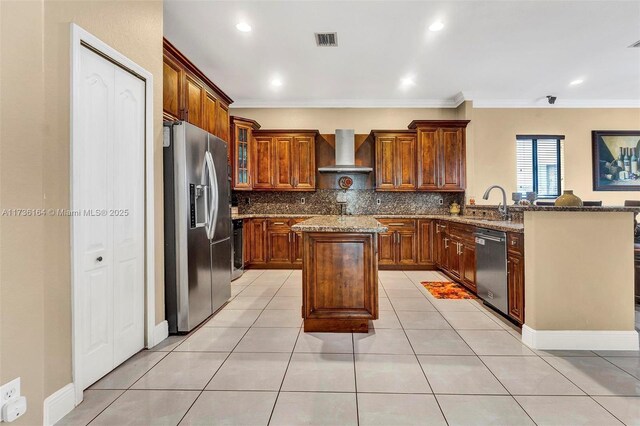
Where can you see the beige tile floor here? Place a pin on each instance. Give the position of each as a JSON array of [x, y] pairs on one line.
[[426, 361]]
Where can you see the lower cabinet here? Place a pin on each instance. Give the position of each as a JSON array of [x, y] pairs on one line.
[[272, 244], [458, 253], [515, 276], [407, 244]]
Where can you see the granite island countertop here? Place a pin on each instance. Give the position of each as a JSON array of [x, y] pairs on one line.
[[363, 224]]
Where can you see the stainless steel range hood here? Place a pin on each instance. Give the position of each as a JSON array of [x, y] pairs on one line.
[[345, 155]]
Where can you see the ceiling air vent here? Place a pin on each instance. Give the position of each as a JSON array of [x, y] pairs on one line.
[[327, 39], [636, 44]]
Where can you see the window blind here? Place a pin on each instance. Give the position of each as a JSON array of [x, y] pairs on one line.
[[539, 165]]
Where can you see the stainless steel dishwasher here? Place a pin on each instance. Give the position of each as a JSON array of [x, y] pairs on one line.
[[491, 273]]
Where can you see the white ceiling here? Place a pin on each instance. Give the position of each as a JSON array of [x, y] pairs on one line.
[[497, 53]]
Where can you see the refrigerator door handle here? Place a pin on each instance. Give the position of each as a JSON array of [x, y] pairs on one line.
[[213, 186]]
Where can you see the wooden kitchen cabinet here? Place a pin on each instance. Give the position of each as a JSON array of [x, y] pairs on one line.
[[440, 154], [468, 267], [284, 160], [172, 88], [272, 243], [442, 245], [242, 156], [395, 160], [257, 243], [399, 245], [462, 254], [425, 241], [515, 276], [189, 95]]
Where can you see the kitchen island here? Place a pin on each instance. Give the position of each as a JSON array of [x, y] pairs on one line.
[[339, 272]]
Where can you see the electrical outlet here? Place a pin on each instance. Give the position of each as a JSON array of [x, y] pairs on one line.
[[302, 200], [10, 391], [440, 201], [378, 201]]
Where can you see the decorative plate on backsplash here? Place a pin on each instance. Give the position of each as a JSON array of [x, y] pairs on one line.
[[345, 182]]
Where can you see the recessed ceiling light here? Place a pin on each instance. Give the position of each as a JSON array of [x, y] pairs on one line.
[[406, 82], [243, 27], [276, 82], [436, 26], [576, 82]]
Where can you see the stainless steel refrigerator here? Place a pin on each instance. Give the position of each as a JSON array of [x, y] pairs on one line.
[[197, 225]]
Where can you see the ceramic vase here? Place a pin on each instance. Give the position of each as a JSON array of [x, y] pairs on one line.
[[567, 199]]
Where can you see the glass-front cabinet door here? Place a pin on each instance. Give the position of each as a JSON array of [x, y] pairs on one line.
[[242, 134]]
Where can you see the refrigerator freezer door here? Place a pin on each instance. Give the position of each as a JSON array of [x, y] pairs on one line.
[[194, 277], [221, 272], [222, 223]]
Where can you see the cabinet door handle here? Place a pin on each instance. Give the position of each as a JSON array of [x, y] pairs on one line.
[[289, 237], [278, 223], [446, 245], [513, 242]]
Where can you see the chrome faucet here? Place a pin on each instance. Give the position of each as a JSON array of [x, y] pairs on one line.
[[502, 208]]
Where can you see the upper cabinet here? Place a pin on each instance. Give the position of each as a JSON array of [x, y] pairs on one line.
[[395, 160], [440, 154], [189, 95], [241, 135], [283, 160]]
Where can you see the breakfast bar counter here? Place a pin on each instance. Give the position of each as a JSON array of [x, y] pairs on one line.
[[339, 272]]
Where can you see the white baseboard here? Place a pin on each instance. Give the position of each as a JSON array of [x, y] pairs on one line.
[[160, 332], [594, 340], [59, 404]]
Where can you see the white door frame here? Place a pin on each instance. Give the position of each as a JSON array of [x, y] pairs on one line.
[[80, 36]]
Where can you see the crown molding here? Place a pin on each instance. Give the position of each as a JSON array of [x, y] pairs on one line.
[[348, 103], [454, 102]]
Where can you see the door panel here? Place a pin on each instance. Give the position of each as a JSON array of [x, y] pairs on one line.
[[469, 265], [108, 249], [304, 165], [451, 171], [425, 242], [283, 176], [91, 159], [222, 122], [279, 246], [195, 101], [386, 248], [428, 159], [128, 222], [171, 87], [515, 282], [406, 163], [385, 163], [262, 162], [210, 113], [258, 241], [407, 248]]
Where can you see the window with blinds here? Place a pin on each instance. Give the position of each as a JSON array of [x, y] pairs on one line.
[[539, 164]]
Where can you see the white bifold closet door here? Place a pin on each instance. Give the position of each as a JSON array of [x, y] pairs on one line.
[[108, 194]]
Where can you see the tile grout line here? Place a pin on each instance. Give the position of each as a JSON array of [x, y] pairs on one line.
[[477, 356], [355, 377], [273, 409], [232, 350]]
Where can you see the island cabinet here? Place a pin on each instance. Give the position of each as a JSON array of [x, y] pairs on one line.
[[283, 160], [395, 160], [339, 273], [241, 135], [189, 95], [440, 154], [515, 276], [270, 243]]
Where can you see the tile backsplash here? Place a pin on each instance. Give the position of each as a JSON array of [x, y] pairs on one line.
[[358, 201]]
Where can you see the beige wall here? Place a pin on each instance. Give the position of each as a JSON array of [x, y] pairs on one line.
[[491, 148], [327, 120], [579, 271], [35, 310], [494, 150]]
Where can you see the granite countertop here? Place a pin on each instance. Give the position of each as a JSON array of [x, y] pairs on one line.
[[270, 215], [363, 224], [603, 209]]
